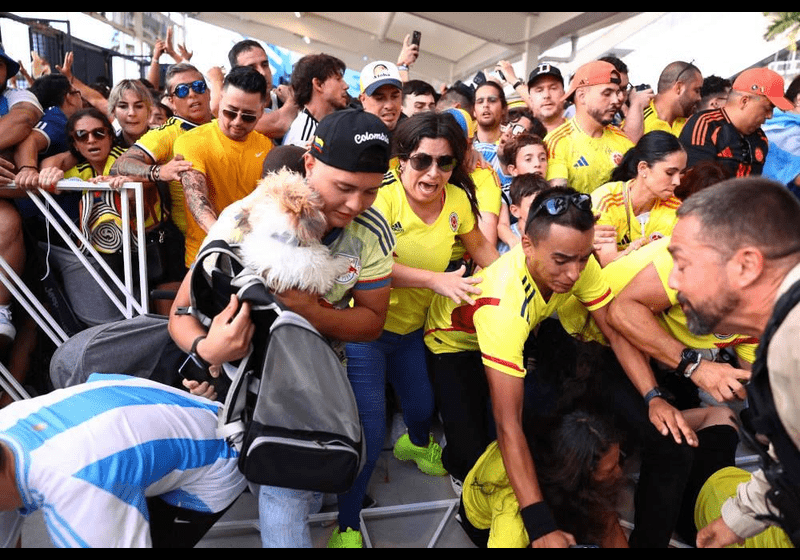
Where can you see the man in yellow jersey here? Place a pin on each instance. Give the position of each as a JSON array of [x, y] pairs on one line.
[[526, 285], [227, 155], [583, 151], [676, 99]]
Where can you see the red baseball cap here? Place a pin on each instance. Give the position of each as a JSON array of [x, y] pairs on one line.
[[592, 74], [763, 81]]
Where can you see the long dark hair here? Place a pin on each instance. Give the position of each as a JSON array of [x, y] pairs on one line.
[[78, 115], [410, 132], [566, 450], [651, 148]]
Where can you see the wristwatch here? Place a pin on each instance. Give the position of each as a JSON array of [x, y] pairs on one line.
[[690, 359], [658, 392]]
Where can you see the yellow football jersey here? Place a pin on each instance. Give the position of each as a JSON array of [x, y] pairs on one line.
[[505, 312], [585, 162], [620, 272], [420, 245], [609, 201], [653, 122]]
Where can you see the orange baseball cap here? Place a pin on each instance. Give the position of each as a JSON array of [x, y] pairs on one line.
[[763, 81], [592, 74]]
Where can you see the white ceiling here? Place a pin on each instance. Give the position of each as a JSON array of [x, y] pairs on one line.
[[454, 45]]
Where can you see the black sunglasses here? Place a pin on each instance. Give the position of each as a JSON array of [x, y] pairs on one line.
[[423, 162], [558, 204], [83, 135], [182, 90], [249, 118]]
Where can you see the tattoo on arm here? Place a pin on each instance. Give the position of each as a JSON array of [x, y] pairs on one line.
[[195, 190], [134, 163]]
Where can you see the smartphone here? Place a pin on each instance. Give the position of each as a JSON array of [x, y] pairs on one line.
[[479, 79], [415, 37]]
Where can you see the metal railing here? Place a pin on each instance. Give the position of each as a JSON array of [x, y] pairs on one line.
[[56, 218]]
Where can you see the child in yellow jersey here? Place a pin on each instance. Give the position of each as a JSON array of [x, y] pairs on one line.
[[640, 201], [428, 201]]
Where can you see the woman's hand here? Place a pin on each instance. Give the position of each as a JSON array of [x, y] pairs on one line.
[[456, 286]]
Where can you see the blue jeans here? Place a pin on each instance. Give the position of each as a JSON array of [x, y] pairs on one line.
[[283, 516], [400, 359]]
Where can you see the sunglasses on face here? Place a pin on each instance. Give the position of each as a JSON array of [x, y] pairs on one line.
[[557, 205], [246, 117], [514, 128], [83, 135], [182, 90], [423, 162]]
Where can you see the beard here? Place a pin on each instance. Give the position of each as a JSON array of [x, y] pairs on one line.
[[703, 319], [605, 118]]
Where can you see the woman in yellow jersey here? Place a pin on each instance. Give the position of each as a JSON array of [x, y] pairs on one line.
[[577, 459], [640, 201], [428, 200], [92, 143]]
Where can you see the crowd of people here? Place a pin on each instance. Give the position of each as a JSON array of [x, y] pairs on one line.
[[529, 266]]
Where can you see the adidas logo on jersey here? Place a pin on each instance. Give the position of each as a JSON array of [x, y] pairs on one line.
[[397, 227], [581, 162]]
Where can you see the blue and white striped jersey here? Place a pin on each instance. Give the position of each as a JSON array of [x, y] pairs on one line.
[[88, 456]]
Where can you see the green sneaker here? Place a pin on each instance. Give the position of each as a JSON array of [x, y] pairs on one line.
[[349, 539], [428, 459]]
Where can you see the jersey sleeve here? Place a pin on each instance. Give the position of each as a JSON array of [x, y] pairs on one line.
[[592, 289], [378, 257], [192, 150], [501, 338], [556, 160]]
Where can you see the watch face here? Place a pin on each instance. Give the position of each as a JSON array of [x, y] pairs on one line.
[[690, 355]]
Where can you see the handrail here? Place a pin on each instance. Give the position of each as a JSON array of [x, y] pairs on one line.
[[48, 206]]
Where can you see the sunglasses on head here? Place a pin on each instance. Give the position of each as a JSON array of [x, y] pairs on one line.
[[182, 90], [246, 117], [423, 162], [83, 135], [559, 204]]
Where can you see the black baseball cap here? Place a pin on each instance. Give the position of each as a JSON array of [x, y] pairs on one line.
[[344, 135], [545, 69]]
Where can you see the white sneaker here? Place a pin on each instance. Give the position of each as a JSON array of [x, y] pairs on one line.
[[7, 329]]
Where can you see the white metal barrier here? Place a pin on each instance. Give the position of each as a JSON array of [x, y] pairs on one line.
[[128, 305]]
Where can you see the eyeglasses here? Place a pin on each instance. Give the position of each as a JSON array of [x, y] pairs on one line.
[[249, 118], [83, 135], [423, 162], [182, 90], [514, 128], [559, 204]]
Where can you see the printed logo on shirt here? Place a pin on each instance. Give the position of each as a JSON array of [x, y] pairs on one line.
[[353, 272], [581, 162], [759, 154], [397, 227], [454, 221]]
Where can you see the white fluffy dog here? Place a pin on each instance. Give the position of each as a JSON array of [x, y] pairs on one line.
[[282, 224]]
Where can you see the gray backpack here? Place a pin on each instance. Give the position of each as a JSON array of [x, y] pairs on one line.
[[290, 410]]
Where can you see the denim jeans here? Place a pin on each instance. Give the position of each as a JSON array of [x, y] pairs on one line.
[[283, 516], [400, 359]]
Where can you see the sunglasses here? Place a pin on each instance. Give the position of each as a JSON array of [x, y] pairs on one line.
[[558, 204], [423, 162], [249, 118], [182, 90], [515, 128], [83, 135]]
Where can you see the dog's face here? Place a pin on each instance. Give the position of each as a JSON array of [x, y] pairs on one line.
[[283, 223]]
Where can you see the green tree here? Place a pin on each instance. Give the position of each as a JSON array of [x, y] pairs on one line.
[[784, 21]]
